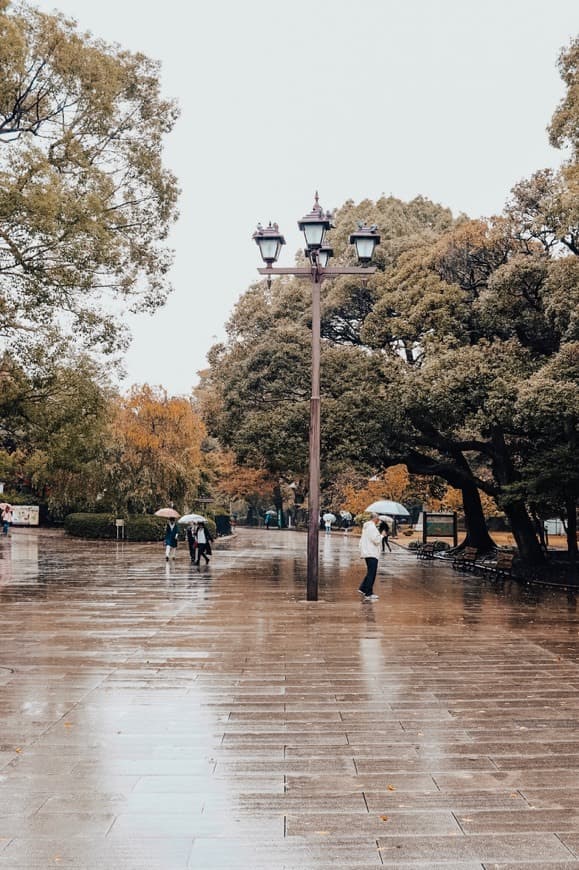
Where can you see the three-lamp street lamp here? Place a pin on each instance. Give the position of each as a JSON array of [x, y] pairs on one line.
[[269, 240]]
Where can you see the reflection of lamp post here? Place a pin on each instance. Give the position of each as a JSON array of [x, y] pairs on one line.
[[269, 240]]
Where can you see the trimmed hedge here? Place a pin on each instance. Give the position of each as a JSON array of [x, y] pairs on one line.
[[139, 527], [16, 498], [438, 545], [102, 526]]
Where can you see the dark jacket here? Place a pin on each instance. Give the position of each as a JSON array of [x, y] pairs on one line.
[[171, 534]]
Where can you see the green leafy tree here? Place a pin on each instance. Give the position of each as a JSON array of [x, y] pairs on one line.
[[54, 412], [85, 202], [428, 363]]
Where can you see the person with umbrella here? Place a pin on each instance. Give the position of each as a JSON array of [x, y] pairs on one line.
[[171, 535], [269, 516], [204, 538], [191, 521], [6, 517], [328, 519], [171, 531], [384, 530], [370, 551], [191, 540]]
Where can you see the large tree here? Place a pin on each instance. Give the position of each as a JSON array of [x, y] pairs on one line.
[[85, 202], [54, 413], [153, 454], [427, 364]]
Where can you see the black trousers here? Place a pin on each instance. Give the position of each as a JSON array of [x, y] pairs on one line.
[[367, 584], [201, 551]]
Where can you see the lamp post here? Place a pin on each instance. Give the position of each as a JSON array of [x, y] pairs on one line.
[[269, 240]]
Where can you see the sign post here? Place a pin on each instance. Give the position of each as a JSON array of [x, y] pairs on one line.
[[440, 525]]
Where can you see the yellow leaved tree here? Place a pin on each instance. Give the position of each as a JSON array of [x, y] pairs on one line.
[[155, 452]]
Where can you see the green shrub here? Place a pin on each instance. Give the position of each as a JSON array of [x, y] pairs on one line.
[[16, 498], [146, 528], [441, 545], [212, 527], [90, 525], [438, 545], [102, 526], [360, 519], [138, 527]]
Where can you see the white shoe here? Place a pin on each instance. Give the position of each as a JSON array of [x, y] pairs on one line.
[[372, 597]]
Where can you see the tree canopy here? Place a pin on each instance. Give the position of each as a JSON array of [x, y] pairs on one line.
[[447, 359], [85, 202]]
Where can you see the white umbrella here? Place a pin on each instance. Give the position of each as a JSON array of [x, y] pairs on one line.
[[329, 518], [392, 508], [346, 515], [169, 513], [192, 518], [385, 519], [272, 513]]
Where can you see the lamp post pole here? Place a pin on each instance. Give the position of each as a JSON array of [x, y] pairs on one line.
[[314, 444], [314, 225]]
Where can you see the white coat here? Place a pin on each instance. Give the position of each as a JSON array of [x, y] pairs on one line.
[[371, 541]]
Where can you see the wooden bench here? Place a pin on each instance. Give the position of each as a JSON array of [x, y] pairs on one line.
[[426, 551], [502, 566], [465, 560]]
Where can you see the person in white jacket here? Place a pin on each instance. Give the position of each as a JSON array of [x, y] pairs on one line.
[[370, 544]]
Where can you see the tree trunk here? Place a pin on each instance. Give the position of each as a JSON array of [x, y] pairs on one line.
[[477, 534], [529, 547], [460, 476], [571, 511]]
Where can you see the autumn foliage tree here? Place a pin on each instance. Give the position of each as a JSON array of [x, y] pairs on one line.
[[154, 454], [234, 482]]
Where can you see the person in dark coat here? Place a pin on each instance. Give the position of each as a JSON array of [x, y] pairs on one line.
[[384, 530], [171, 534], [204, 538], [191, 541]]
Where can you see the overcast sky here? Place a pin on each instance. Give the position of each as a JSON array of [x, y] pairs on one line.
[[445, 98]]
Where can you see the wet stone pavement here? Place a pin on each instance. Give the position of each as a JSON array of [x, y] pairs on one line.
[[160, 717]]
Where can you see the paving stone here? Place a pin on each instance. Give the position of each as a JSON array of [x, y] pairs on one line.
[[483, 848], [157, 717]]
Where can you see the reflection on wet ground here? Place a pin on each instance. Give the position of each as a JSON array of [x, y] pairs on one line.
[[159, 716]]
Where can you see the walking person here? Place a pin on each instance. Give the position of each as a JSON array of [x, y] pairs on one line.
[[7, 516], [370, 542], [384, 530], [204, 539], [171, 534], [191, 541]]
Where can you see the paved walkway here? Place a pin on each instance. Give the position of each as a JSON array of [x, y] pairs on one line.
[[162, 717]]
